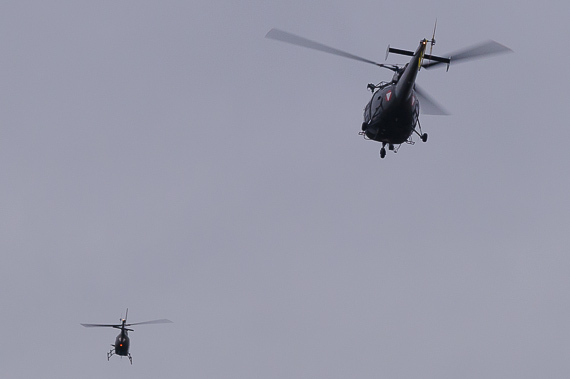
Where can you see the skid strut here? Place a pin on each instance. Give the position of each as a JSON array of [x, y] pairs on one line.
[[421, 134], [112, 352]]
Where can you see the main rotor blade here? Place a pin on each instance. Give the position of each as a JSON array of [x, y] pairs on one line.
[[477, 51], [102, 325], [428, 105], [282, 36], [161, 321]]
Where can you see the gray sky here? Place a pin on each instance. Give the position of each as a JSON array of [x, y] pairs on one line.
[[166, 157]]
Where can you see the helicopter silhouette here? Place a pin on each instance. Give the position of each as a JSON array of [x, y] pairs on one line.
[[122, 342], [391, 117]]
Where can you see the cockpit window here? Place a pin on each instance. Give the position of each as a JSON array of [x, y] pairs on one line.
[[367, 112]]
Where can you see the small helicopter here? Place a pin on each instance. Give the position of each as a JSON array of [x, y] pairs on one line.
[[122, 342], [391, 117]]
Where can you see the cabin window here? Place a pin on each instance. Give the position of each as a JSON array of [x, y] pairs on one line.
[[367, 113]]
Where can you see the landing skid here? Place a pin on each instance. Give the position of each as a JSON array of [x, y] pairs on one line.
[[112, 352], [391, 147]]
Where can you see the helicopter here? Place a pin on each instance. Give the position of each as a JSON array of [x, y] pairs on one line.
[[391, 117], [122, 342]]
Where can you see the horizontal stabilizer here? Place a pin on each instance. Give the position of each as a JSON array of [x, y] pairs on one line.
[[399, 51], [437, 59], [408, 53]]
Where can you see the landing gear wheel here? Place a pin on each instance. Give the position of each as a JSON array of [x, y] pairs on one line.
[[391, 147], [382, 153], [424, 137]]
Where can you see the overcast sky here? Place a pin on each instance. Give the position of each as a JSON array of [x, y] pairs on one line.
[[164, 156]]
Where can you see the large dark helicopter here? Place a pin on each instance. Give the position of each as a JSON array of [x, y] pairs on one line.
[[392, 115], [122, 342]]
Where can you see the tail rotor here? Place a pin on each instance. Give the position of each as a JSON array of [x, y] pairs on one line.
[[432, 39], [124, 320]]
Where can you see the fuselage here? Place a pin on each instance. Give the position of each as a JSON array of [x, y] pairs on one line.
[[390, 119], [392, 113], [122, 343]]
